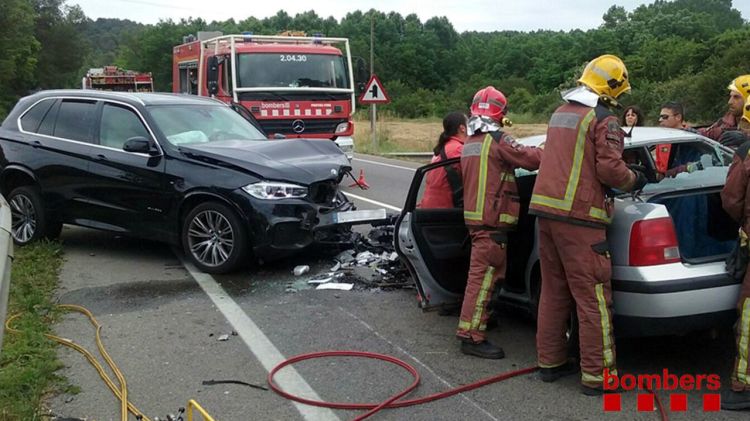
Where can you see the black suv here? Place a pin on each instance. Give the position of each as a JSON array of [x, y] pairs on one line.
[[185, 170]]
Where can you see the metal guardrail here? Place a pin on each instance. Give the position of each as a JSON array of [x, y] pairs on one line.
[[6, 258]]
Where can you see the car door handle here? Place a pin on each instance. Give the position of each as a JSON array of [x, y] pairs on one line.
[[36, 144], [101, 157]]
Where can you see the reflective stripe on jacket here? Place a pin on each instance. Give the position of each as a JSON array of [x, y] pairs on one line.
[[583, 156], [488, 164]]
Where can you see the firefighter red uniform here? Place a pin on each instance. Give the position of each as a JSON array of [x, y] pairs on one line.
[[735, 198], [714, 131], [491, 207], [439, 189], [583, 158]]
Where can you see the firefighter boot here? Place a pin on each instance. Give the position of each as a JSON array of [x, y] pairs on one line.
[[735, 400], [482, 349], [549, 375]]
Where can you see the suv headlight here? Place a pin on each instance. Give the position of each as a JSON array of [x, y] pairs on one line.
[[269, 190], [342, 127]]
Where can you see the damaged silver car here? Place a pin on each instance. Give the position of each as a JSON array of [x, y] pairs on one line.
[[668, 243]]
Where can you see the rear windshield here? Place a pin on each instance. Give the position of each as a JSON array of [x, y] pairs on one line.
[[682, 165], [190, 124]]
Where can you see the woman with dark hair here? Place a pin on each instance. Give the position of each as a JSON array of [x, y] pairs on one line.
[[632, 116], [444, 186]]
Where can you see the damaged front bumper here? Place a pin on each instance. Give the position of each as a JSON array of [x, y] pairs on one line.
[[279, 228]]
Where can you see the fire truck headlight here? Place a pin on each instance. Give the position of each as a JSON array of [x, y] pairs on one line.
[[342, 127], [269, 190]]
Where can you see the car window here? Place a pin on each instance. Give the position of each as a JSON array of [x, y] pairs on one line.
[[118, 125], [188, 124], [33, 118], [691, 164], [75, 120]]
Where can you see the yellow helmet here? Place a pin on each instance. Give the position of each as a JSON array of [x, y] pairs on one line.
[[746, 110], [741, 84], [606, 75]]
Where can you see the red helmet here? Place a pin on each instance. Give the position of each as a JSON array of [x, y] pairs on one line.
[[489, 102]]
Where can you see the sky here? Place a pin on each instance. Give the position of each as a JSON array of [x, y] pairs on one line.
[[465, 15]]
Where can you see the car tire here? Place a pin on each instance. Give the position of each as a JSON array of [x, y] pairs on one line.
[[214, 238], [29, 221]]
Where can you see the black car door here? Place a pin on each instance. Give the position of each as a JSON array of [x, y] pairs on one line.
[[127, 188], [58, 135], [434, 243]]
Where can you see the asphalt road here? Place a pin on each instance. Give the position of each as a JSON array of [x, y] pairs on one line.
[[162, 321]]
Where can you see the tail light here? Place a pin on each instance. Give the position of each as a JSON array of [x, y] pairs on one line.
[[653, 242]]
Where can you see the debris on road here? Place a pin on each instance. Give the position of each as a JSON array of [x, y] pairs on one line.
[[301, 270], [336, 286], [223, 338], [213, 382]]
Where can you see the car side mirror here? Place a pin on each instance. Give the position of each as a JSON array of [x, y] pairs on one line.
[[140, 144], [212, 78]]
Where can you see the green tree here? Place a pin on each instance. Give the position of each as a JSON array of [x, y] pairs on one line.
[[20, 49]]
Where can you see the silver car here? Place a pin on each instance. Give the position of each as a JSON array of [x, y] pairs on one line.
[[668, 243]]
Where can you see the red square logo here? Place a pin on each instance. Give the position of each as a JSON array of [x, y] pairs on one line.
[[612, 402], [645, 402], [711, 402], [678, 402]]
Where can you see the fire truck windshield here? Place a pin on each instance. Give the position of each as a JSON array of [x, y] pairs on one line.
[[274, 70]]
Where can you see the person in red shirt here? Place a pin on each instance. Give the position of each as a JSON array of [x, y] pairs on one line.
[[444, 186]]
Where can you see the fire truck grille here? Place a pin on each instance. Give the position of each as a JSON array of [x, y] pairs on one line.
[[293, 126]]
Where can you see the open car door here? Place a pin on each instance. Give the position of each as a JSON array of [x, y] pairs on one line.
[[434, 244]]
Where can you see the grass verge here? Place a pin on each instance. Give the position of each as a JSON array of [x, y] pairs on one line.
[[28, 361]]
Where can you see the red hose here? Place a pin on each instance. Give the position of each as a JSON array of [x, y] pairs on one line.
[[393, 401]]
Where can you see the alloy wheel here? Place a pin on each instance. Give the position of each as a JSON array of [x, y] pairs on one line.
[[23, 218], [210, 238]]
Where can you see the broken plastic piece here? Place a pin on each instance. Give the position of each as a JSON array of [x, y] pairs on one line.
[[337, 286], [300, 270], [321, 279], [336, 267], [223, 338]]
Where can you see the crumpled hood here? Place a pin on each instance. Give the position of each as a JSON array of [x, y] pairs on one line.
[[299, 161]]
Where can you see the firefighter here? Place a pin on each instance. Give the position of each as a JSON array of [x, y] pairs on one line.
[[581, 164], [739, 90], [735, 198], [491, 207]]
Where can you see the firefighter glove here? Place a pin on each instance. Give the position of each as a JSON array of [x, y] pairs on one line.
[[732, 138], [640, 179]]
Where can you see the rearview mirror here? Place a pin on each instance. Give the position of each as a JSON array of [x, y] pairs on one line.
[[212, 77], [140, 144], [361, 74]]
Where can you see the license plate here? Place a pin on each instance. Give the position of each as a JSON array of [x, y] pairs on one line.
[[359, 216]]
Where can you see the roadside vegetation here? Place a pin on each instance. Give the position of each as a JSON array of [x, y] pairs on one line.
[[420, 134], [28, 362]]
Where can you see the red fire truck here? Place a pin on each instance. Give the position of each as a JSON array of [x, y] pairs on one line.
[[112, 78], [295, 86]]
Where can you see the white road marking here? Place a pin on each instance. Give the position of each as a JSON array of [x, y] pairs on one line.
[[259, 344], [374, 202], [384, 164], [420, 363]]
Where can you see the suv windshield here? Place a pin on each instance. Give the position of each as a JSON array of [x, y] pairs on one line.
[[188, 124], [264, 70]]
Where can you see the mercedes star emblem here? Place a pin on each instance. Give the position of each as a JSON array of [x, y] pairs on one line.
[[298, 126]]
